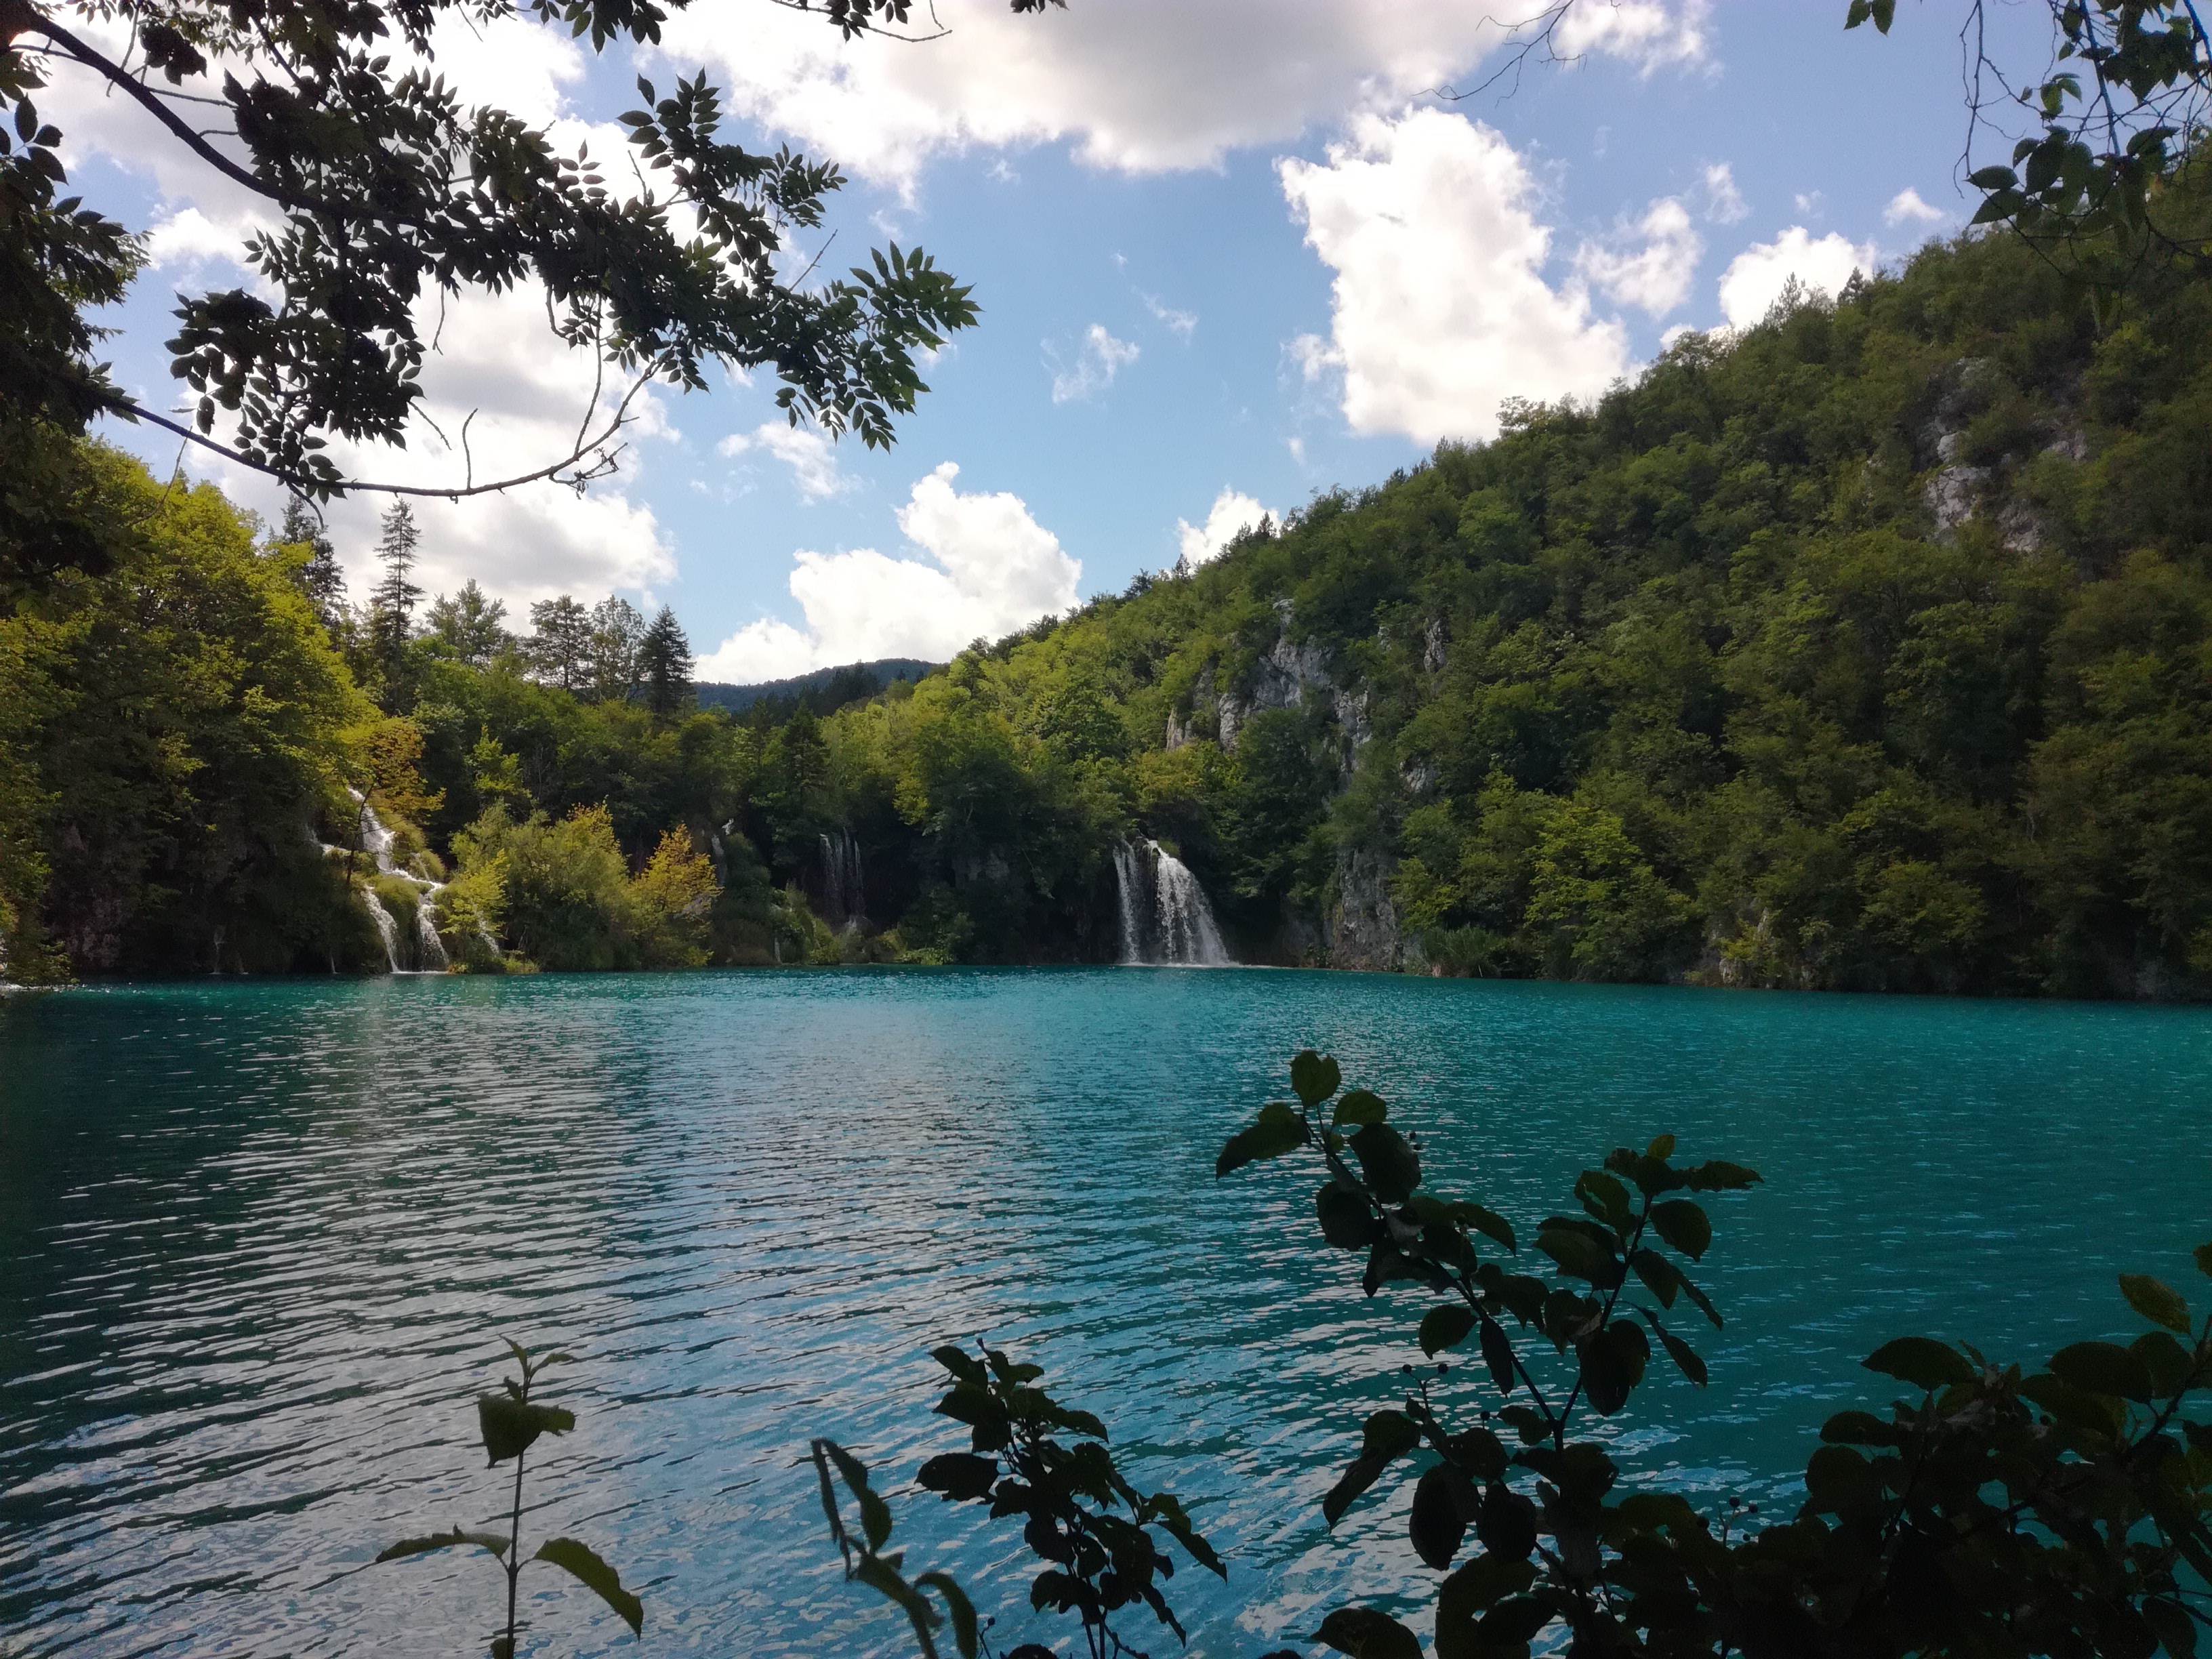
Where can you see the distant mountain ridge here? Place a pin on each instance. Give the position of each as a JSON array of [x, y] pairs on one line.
[[848, 684]]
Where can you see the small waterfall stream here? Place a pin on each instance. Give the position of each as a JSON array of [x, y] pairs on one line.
[[1166, 919], [428, 950], [844, 894]]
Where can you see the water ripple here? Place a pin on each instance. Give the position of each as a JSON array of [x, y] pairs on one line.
[[257, 1243]]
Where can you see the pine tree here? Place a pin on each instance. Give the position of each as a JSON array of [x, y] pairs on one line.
[[319, 579], [392, 602], [471, 623], [664, 664]]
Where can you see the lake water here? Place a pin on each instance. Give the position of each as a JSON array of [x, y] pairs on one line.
[[259, 1242]]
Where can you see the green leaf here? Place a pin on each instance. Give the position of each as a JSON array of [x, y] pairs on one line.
[[1393, 1169], [582, 1563], [1512, 1623], [1444, 1503], [2155, 1301], [1360, 1108], [1993, 179], [1660, 1276], [1613, 1362], [881, 1577], [961, 1477], [440, 1541], [2202, 1255], [2102, 1367], [1498, 1354], [1716, 1176], [1445, 1327], [1347, 1219], [1684, 1356], [1661, 1149], [962, 1365], [1314, 1077], [1604, 1197], [875, 1514], [510, 1427], [1684, 1225], [1488, 1224], [1921, 1361], [1270, 1137], [1367, 1633], [967, 1633], [1385, 1436], [1469, 1593], [1505, 1522], [1579, 1256]]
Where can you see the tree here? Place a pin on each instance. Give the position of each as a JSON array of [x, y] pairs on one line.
[[560, 645], [385, 191], [618, 630], [319, 578], [392, 601], [2123, 99], [470, 622], [664, 659]]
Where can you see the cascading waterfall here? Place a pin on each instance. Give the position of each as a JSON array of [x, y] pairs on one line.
[[386, 928], [1165, 917], [429, 951], [843, 892]]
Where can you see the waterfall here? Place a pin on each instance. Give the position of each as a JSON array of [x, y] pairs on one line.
[[844, 896], [1165, 915], [386, 928], [377, 841]]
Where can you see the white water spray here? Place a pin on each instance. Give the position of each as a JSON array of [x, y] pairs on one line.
[[1165, 917]]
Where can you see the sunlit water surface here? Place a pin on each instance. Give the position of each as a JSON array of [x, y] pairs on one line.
[[258, 1243]]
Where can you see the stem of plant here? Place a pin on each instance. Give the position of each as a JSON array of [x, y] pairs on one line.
[[513, 1554]]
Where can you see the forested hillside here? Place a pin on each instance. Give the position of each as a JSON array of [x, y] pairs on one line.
[[1867, 649]]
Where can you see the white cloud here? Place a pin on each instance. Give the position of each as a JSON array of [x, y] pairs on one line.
[[1654, 277], [988, 568], [1141, 86], [1101, 358], [1756, 276], [1233, 513], [811, 457], [1907, 205], [1181, 323], [1724, 203], [1650, 35], [1441, 311]]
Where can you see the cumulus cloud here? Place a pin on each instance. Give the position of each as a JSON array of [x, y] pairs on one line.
[[1440, 309], [497, 400], [810, 456], [987, 568], [1654, 276], [1101, 359], [1756, 276], [1233, 513], [1724, 203], [1141, 86], [1906, 208]]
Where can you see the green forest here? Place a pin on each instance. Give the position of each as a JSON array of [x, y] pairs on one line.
[[1867, 648]]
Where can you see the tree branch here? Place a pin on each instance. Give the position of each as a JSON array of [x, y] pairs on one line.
[[308, 483]]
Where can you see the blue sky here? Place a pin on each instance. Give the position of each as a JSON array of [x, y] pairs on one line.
[[1228, 254]]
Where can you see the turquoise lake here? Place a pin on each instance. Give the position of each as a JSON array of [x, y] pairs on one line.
[[258, 1243]]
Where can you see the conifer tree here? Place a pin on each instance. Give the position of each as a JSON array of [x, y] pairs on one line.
[[472, 622], [319, 579], [392, 602], [664, 664]]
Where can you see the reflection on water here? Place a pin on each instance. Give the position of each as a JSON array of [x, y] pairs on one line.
[[257, 1243]]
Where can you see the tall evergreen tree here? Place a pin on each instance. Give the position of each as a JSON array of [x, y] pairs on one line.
[[392, 602], [664, 665], [472, 622], [319, 579]]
